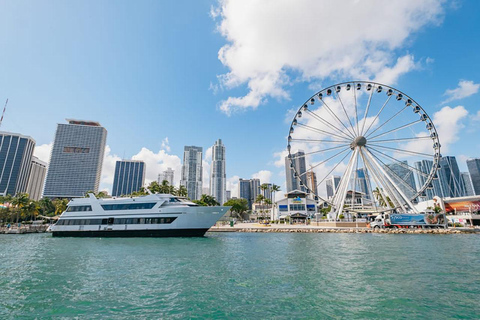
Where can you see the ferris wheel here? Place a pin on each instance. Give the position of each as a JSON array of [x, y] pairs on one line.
[[369, 146]]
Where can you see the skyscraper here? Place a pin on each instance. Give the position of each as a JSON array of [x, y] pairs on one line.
[[474, 170], [362, 184], [244, 191], [423, 169], [267, 193], [467, 182], [15, 162], [228, 195], [403, 177], [298, 160], [218, 177], [312, 183], [129, 177], [36, 180], [76, 160], [332, 185], [192, 171], [254, 189], [449, 176], [168, 175]]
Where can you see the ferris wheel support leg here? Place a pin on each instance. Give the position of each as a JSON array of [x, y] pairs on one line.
[[376, 178], [405, 198], [344, 186], [390, 190]]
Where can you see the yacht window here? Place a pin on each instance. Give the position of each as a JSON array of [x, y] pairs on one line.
[[174, 200], [128, 206], [79, 208]]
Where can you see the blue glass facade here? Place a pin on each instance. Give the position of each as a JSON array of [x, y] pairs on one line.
[[129, 177], [15, 162]]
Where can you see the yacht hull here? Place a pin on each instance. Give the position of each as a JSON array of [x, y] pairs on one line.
[[159, 233]]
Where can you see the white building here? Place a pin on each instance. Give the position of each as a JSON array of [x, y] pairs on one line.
[[295, 205], [192, 172], [218, 177], [168, 175], [36, 180]]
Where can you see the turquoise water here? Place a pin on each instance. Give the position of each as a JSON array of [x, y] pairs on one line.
[[241, 275]]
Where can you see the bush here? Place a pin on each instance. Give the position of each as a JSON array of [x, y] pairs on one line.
[[341, 216]]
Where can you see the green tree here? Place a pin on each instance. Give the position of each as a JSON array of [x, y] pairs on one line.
[[182, 191], [274, 190], [154, 187], [19, 201], [239, 206], [60, 205], [139, 193], [209, 200], [47, 208]]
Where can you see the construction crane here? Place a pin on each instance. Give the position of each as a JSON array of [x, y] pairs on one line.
[[3, 113]]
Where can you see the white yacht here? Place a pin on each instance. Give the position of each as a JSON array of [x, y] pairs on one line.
[[155, 215]]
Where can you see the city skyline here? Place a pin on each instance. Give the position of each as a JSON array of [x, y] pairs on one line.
[[222, 89]]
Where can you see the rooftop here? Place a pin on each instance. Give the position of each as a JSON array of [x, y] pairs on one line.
[[84, 122]]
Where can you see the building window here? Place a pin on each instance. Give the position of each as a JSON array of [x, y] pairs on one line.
[[283, 208], [76, 150], [297, 207]]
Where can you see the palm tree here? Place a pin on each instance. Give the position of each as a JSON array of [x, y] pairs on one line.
[[182, 191], [164, 187], [60, 205], [154, 187], [274, 189], [19, 201], [209, 200]]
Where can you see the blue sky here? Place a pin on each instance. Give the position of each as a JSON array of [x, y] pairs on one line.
[[151, 73]]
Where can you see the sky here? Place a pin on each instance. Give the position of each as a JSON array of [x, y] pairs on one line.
[[160, 75]]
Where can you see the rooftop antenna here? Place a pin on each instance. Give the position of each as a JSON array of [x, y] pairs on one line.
[[3, 113]]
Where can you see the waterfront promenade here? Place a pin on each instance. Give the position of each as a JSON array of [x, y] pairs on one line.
[[324, 228]]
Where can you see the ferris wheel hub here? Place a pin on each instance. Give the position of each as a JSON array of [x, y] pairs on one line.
[[359, 141]]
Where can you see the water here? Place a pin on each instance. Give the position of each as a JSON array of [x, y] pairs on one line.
[[241, 275]]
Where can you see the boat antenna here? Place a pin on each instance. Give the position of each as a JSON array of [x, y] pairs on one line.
[[3, 113]]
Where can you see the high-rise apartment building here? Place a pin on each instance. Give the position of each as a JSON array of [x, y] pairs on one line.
[[467, 182], [192, 171], [423, 169], [474, 170], [228, 195], [38, 172], [15, 162], [298, 161], [332, 185], [129, 177], [244, 191], [218, 177], [267, 192], [168, 175], [76, 160], [403, 177], [362, 183], [249, 189], [312, 183], [449, 176]]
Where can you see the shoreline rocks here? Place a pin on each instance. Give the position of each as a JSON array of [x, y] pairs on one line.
[[347, 230]]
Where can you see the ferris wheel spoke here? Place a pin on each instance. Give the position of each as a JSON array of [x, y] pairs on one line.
[[402, 150], [378, 114], [319, 151], [395, 174], [326, 160], [343, 186], [397, 129], [366, 110], [318, 130], [338, 119], [356, 112], [386, 156], [391, 118], [401, 139], [316, 116], [322, 141], [346, 114], [333, 169], [354, 184]]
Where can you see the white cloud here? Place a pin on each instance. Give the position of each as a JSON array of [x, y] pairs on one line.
[[448, 122], [158, 162], [465, 89], [476, 117], [165, 144], [314, 39], [43, 152], [232, 185], [263, 175], [108, 169]]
